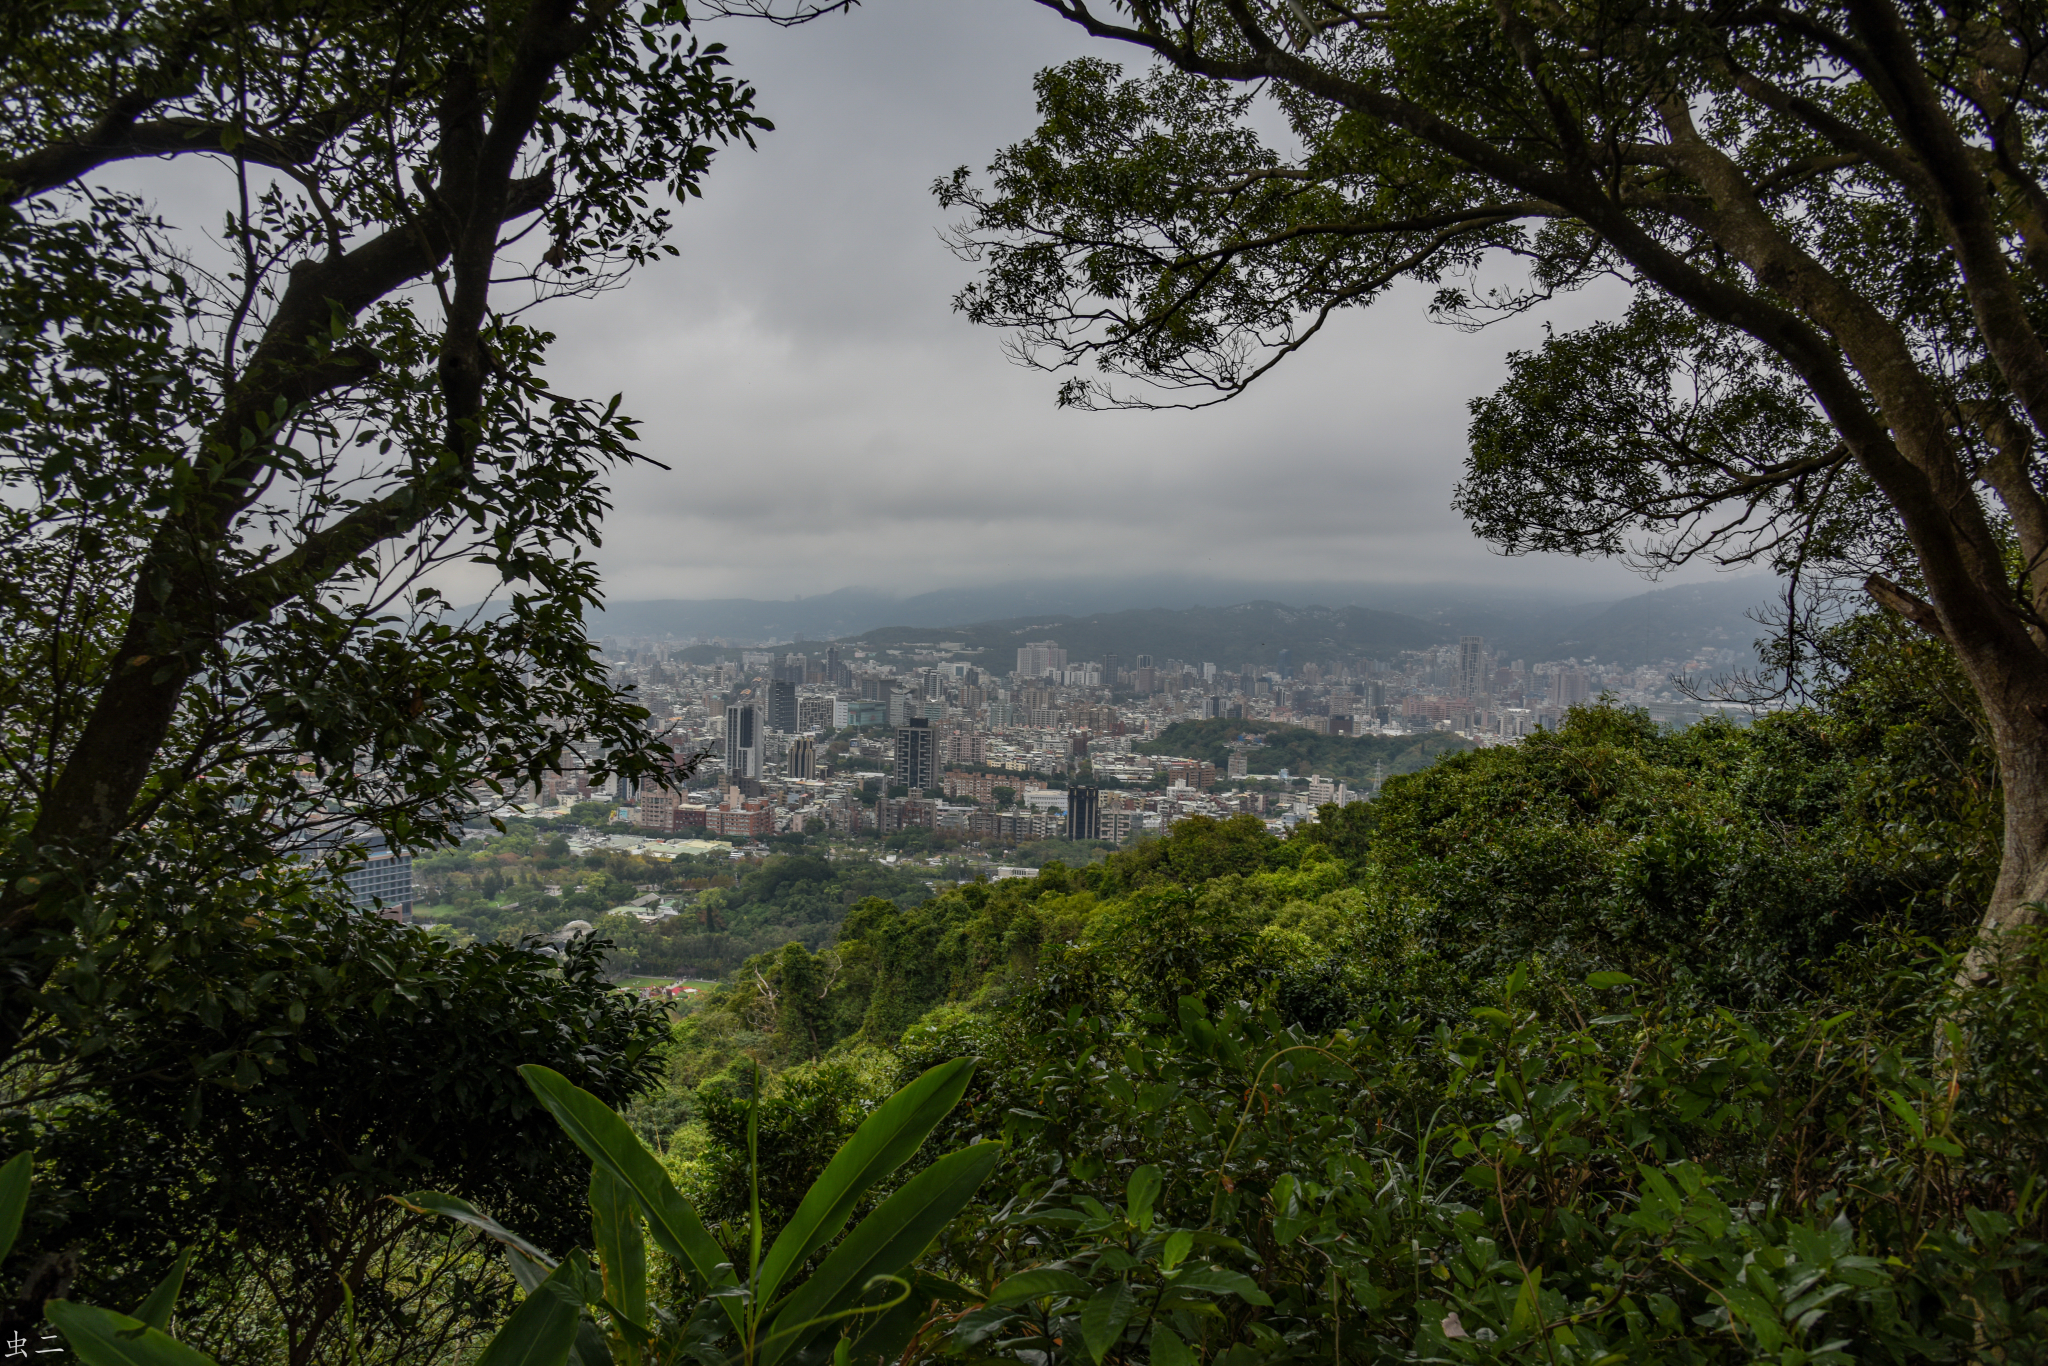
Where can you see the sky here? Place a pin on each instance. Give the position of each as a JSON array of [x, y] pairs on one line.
[[829, 421]]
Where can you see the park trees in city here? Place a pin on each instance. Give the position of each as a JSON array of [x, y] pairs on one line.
[[1828, 219]]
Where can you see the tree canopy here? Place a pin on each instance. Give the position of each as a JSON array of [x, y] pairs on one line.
[[233, 467], [1830, 218]]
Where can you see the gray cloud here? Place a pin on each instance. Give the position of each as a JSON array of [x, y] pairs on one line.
[[829, 421]]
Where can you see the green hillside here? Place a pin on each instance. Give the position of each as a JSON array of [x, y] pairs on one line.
[[1302, 752]]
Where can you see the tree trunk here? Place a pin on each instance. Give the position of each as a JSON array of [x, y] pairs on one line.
[[2015, 697]]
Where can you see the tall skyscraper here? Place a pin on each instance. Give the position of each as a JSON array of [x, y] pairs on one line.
[[782, 705], [742, 741], [803, 758], [916, 755], [1286, 662], [1472, 668], [1084, 813]]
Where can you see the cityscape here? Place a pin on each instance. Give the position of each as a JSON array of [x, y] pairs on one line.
[[851, 745]]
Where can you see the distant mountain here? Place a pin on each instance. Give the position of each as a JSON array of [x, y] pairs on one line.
[[852, 611], [1668, 623]]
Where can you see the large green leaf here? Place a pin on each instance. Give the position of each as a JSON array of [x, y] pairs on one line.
[[156, 1309], [609, 1142], [462, 1212], [14, 1197], [883, 1244], [100, 1337], [543, 1329], [1104, 1316], [882, 1144], [621, 1251]]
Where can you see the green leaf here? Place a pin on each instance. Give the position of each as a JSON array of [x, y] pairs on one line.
[[1527, 1315], [101, 1337], [882, 1143], [14, 1178], [543, 1329], [1178, 1244], [882, 1244], [1607, 981], [462, 1212], [1103, 1318], [607, 1140], [156, 1309], [1168, 1349], [1220, 1280], [1037, 1283], [621, 1250], [1139, 1193]]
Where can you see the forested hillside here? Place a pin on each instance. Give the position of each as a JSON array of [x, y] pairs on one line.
[[1619, 1044]]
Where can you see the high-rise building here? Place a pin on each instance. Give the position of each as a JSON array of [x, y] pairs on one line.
[[1084, 813], [1472, 679], [1286, 663], [383, 884], [803, 758], [743, 741], [816, 713], [1039, 657], [899, 707], [1571, 688], [916, 755], [782, 705], [1240, 764]]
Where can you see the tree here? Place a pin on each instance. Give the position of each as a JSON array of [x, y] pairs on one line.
[[351, 1061], [1830, 216], [229, 475]]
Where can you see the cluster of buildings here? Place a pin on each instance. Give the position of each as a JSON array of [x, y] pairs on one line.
[[880, 741], [877, 741]]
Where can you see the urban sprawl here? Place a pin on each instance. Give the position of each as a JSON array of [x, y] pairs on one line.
[[857, 741]]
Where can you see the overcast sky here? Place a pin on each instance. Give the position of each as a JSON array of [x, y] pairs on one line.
[[830, 422]]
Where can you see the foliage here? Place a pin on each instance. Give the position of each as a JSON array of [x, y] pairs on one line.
[[1610, 1179], [605, 1306], [261, 1119], [1719, 857]]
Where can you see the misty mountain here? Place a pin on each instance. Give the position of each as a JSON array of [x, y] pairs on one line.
[[852, 611], [1668, 623]]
